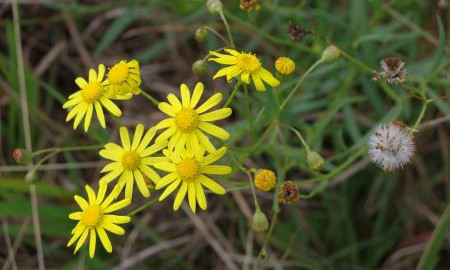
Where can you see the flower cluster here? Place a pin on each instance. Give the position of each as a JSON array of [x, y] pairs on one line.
[[178, 145]]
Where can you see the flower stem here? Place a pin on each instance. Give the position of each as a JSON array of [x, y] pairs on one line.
[[233, 93], [142, 207], [216, 33], [419, 118], [297, 86], [64, 149], [249, 111], [227, 26], [149, 97], [253, 190]]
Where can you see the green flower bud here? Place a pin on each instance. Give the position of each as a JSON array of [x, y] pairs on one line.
[[330, 54], [214, 6], [22, 156], [315, 161], [31, 176], [200, 67], [259, 221], [201, 34]]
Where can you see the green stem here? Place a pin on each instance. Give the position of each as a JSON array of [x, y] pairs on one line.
[[301, 138], [149, 97], [356, 61], [64, 149], [297, 86], [249, 111], [233, 93], [419, 118], [227, 26], [253, 190], [142, 207], [216, 33]]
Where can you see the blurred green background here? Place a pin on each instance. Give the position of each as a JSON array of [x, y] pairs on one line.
[[357, 217]]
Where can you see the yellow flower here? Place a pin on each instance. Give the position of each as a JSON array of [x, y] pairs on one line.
[[243, 65], [131, 160], [186, 122], [285, 65], [92, 94], [94, 218], [123, 80], [265, 180], [187, 171]]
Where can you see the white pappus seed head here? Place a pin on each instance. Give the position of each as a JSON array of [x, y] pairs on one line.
[[391, 145]]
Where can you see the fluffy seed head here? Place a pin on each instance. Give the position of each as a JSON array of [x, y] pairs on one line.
[[289, 192], [391, 146]]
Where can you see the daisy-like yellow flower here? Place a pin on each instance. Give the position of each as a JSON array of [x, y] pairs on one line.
[[94, 219], [245, 65], [187, 122], [92, 95], [187, 171], [123, 80], [132, 159]]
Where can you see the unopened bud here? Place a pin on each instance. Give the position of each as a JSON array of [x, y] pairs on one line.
[[201, 34], [315, 160], [214, 6], [22, 156], [259, 221], [31, 176], [330, 53], [200, 67]]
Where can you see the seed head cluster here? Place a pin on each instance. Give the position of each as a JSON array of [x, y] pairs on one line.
[[391, 146]]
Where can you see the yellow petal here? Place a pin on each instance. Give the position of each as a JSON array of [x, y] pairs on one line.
[[215, 115], [215, 169], [211, 102], [185, 95], [211, 185], [214, 130], [180, 196], [198, 91], [191, 196]]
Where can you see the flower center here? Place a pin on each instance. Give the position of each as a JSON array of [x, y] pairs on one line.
[[130, 160], [248, 62], [118, 73], [92, 92], [186, 120], [91, 216], [188, 169]]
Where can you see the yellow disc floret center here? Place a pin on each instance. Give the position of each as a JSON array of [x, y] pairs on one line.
[[248, 62], [118, 73], [188, 169], [130, 160], [92, 92], [91, 216], [186, 120]]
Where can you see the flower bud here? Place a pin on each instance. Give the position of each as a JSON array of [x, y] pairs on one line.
[[259, 221], [289, 192], [330, 53], [315, 161], [200, 67], [284, 65], [31, 176], [201, 34], [265, 180], [214, 6], [22, 156]]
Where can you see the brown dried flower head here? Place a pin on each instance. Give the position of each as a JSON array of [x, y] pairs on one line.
[[296, 32], [249, 5], [289, 192], [393, 71]]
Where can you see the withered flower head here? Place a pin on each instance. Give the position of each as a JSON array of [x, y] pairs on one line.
[[249, 5], [393, 71], [296, 32], [289, 192]]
